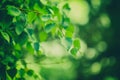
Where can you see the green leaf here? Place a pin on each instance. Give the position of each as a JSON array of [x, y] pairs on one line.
[[68, 34], [5, 36], [22, 38], [8, 59], [68, 42], [30, 72], [12, 72], [20, 23], [43, 36], [5, 20], [17, 47], [31, 17], [36, 46], [49, 27], [46, 17], [74, 51], [66, 7], [30, 48], [19, 29], [30, 31], [21, 19], [76, 43], [17, 54], [13, 11], [21, 72], [1, 53], [70, 28], [65, 22]]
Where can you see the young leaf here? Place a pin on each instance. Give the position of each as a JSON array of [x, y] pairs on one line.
[[68, 34], [29, 47], [31, 16], [76, 43], [43, 36], [13, 11], [73, 51]]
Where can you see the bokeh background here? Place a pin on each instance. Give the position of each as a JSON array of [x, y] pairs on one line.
[[97, 25]]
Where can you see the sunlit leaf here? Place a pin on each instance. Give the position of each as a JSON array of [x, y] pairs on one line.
[[70, 28], [74, 51], [76, 43], [31, 17], [43, 36], [12, 10], [6, 36], [17, 47], [29, 47], [69, 34]]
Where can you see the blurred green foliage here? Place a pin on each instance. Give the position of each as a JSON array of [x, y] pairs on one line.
[[24, 25], [37, 37]]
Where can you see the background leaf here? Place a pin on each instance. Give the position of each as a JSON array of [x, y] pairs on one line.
[[49, 27], [36, 46], [12, 72], [12, 10]]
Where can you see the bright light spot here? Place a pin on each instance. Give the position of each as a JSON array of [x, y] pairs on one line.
[[90, 53], [79, 12], [105, 20], [102, 46], [53, 49], [83, 46], [96, 68], [96, 3]]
